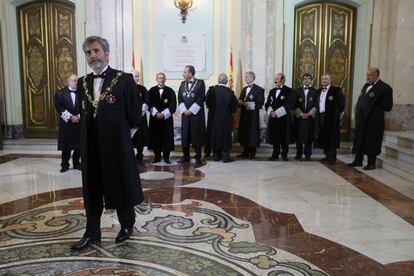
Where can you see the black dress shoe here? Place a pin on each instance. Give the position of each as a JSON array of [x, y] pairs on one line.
[[198, 162], [84, 243], [64, 169], [183, 160], [331, 162], [217, 158], [227, 160], [285, 158], [369, 167], [298, 157], [123, 235], [243, 155], [355, 164], [167, 161], [273, 158], [325, 159], [77, 166], [156, 161], [307, 158]]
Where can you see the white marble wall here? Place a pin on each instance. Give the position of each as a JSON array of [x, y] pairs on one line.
[[112, 19]]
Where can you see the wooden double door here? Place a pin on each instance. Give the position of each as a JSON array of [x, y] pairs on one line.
[[48, 57], [324, 43]]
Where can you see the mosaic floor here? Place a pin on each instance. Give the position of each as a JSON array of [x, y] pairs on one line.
[[242, 218]]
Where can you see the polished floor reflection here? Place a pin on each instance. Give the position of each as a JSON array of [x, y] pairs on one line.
[[241, 218]]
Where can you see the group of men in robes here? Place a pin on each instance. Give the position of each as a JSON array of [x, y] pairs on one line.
[[106, 107]]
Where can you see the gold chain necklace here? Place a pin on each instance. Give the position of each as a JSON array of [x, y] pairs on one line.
[[188, 92], [108, 90]]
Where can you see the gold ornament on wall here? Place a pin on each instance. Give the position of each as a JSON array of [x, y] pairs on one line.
[[184, 6]]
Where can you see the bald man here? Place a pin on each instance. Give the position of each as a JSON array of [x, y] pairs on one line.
[[330, 107], [67, 106], [223, 103], [375, 99]]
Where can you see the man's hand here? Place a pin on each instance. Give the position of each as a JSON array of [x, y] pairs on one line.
[[241, 103], [305, 115], [74, 119], [187, 113], [273, 114], [159, 115]]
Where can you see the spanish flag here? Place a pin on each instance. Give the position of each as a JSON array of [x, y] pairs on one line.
[[231, 83], [133, 60]]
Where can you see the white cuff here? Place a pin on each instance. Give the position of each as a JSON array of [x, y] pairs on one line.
[[281, 112], [195, 108], [144, 109], [182, 108], [154, 111], [167, 113], [65, 116], [133, 131], [251, 105], [269, 110]]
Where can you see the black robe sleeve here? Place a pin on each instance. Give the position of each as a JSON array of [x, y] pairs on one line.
[[387, 100], [133, 103]]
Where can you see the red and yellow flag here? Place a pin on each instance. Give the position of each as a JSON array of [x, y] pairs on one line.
[[133, 60], [231, 82]]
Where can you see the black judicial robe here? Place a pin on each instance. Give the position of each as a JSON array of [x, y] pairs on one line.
[[109, 167], [222, 101], [369, 118], [249, 123], [304, 128], [278, 129], [141, 136], [193, 128], [210, 115], [329, 134], [161, 132], [69, 133]]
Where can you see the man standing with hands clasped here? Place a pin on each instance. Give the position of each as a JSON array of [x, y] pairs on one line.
[[111, 107]]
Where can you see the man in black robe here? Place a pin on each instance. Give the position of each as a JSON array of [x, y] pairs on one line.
[[191, 97], [375, 99], [278, 105], [223, 102], [330, 107], [305, 112], [140, 138], [251, 100], [162, 105], [110, 109], [68, 108], [210, 115]]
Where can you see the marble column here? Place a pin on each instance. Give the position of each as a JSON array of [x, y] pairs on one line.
[[391, 51], [112, 19]]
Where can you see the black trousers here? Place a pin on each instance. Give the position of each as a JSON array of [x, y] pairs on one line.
[[280, 149], [126, 217], [165, 154], [66, 156], [372, 159], [308, 149], [140, 155], [186, 152], [330, 154]]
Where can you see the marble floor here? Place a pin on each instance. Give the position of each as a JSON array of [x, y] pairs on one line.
[[241, 218]]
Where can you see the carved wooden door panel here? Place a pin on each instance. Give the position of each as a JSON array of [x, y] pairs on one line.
[[324, 44], [48, 56]]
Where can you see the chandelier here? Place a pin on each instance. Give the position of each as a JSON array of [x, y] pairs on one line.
[[183, 6]]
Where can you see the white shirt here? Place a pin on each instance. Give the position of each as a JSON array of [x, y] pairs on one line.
[[370, 86], [97, 85], [306, 91], [73, 95], [278, 89], [322, 99], [190, 84], [249, 87], [161, 90]]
